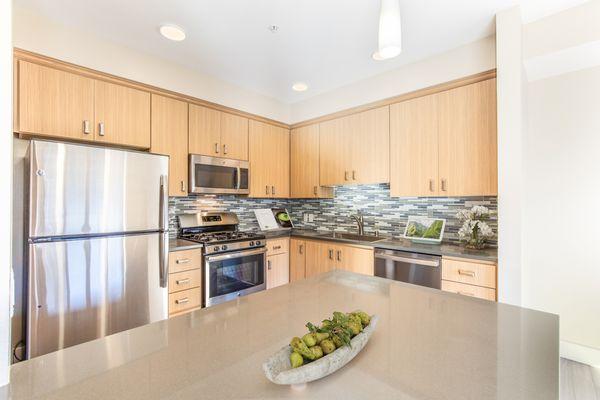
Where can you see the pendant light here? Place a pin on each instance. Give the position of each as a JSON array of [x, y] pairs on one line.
[[390, 32]]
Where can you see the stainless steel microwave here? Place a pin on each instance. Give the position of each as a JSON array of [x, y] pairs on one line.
[[218, 175]]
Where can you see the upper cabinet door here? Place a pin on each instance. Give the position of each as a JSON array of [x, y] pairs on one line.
[[205, 131], [304, 163], [414, 147], [369, 133], [334, 152], [122, 115], [55, 103], [234, 136], [269, 152], [170, 137], [467, 140]]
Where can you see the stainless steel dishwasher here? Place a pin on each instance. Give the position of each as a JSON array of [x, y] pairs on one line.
[[418, 269]]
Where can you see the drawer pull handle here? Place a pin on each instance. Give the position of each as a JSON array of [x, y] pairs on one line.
[[183, 281], [301, 249], [276, 247], [330, 254], [183, 261], [217, 148], [339, 255], [466, 294], [466, 273], [182, 301], [269, 265]]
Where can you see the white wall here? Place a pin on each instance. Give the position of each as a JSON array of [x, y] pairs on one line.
[[560, 215], [5, 182], [465, 60], [35, 33], [510, 121]]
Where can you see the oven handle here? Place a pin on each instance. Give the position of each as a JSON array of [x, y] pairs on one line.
[[242, 253], [409, 260]]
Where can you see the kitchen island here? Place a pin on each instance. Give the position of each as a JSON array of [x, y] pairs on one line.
[[428, 345]]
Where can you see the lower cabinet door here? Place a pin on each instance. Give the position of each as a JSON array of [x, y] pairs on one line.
[[355, 259], [297, 260], [278, 270], [320, 257]]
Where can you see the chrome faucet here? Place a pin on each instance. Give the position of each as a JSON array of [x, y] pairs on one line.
[[360, 221]]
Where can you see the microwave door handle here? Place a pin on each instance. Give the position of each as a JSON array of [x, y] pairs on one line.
[[239, 178]]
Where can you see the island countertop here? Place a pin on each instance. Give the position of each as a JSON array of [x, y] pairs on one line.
[[428, 345]]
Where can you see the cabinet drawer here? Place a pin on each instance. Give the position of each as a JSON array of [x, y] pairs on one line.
[[469, 272], [184, 300], [469, 290], [185, 260], [278, 246], [185, 280]]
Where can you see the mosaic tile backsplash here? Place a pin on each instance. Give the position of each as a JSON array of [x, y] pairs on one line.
[[381, 212]]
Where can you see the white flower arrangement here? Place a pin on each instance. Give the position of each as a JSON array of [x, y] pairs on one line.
[[475, 231]]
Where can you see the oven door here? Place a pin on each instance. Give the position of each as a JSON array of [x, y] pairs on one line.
[[218, 175], [228, 276]]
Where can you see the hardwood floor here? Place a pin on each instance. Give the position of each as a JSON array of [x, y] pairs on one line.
[[578, 381]]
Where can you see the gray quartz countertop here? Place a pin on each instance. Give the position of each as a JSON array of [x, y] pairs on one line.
[[428, 345], [180, 244], [444, 249]]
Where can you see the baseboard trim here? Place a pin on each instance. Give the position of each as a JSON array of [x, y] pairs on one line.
[[580, 353]]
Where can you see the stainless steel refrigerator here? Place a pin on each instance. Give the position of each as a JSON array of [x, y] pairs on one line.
[[98, 243]]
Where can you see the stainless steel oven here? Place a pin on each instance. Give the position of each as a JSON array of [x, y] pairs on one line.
[[218, 175], [230, 275], [418, 269]]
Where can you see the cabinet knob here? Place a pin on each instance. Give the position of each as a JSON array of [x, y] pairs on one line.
[[86, 127], [431, 186], [353, 175], [101, 129], [217, 148], [273, 190], [345, 175], [224, 149], [267, 189], [443, 185]]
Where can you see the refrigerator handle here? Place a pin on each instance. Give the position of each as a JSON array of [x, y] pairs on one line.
[[163, 254], [163, 249], [163, 204]]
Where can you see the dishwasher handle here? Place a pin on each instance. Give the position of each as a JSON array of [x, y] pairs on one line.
[[410, 260]]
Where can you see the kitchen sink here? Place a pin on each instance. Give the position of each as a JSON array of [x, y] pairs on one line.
[[352, 236]]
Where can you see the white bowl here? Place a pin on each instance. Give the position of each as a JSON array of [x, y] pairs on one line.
[[278, 367]]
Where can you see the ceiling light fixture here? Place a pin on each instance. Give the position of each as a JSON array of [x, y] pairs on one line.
[[172, 32], [299, 86], [390, 30], [273, 28]]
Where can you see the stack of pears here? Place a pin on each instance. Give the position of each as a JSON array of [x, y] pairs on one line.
[[332, 334]]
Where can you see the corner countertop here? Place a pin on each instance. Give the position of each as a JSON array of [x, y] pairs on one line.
[[181, 244], [428, 345], [444, 249]]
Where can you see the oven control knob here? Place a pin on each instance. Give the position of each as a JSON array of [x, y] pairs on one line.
[[224, 247], [258, 242], [216, 248], [251, 243]]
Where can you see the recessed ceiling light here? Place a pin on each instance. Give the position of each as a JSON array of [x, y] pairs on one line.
[[377, 57], [273, 28], [172, 32], [299, 86]]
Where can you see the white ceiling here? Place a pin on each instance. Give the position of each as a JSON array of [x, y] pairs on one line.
[[325, 43]]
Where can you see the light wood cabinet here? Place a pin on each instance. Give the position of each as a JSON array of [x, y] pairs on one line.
[[469, 277], [468, 140], [297, 259], [170, 137], [66, 105], [217, 134], [444, 144], [304, 164], [355, 149], [414, 147], [278, 270], [278, 246], [55, 103], [122, 115], [269, 160], [185, 281], [323, 256]]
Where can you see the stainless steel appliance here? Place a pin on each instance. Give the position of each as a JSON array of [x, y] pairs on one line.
[[234, 261], [98, 243], [418, 269], [218, 175]]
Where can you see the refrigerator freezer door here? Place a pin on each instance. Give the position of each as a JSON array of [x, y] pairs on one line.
[[80, 290], [86, 190]]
